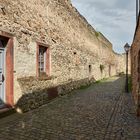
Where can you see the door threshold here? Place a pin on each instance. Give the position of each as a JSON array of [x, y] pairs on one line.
[[4, 112]]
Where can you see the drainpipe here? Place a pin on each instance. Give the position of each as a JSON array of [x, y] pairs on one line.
[[137, 9]]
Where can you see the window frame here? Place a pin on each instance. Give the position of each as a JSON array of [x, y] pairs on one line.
[[46, 72]]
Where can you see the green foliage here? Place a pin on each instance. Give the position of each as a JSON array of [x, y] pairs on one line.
[[97, 33], [102, 68], [96, 82], [100, 81]]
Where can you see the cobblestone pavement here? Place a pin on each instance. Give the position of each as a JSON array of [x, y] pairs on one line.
[[100, 112]]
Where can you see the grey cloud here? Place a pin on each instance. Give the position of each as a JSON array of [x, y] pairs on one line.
[[126, 4], [114, 18]]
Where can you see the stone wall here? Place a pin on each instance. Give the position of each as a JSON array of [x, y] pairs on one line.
[[43, 92], [135, 67], [75, 46]]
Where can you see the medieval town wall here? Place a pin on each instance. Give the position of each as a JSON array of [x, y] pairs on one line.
[[77, 51]]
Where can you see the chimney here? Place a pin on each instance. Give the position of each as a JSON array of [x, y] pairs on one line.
[[137, 9]]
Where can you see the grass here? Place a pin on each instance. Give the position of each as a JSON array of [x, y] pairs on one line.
[[96, 82], [84, 87], [102, 80], [97, 34]]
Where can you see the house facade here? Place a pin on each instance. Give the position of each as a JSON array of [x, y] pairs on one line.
[[48, 49], [135, 66]]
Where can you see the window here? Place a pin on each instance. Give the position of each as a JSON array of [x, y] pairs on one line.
[[89, 68], [43, 61]]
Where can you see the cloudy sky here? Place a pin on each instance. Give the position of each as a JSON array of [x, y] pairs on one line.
[[114, 18]]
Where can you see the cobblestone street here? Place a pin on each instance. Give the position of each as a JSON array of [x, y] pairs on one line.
[[100, 112]]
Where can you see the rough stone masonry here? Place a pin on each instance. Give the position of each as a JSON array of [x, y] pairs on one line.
[[135, 67], [77, 56]]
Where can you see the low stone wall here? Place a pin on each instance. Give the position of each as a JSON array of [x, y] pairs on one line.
[[34, 95], [68, 87]]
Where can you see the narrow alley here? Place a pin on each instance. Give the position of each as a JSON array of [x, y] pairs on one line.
[[99, 112]]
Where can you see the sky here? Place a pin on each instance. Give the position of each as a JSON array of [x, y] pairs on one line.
[[116, 19]]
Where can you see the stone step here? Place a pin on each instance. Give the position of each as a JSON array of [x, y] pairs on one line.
[[6, 112]]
